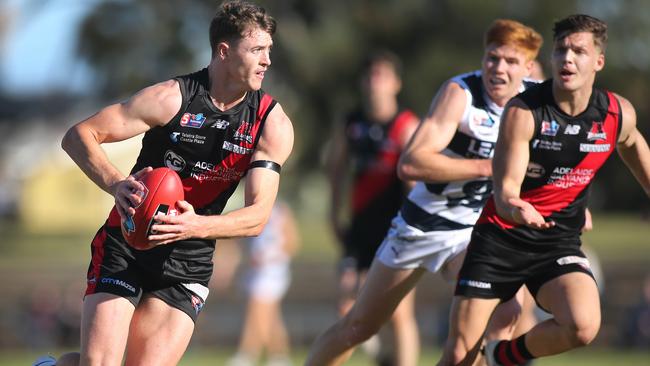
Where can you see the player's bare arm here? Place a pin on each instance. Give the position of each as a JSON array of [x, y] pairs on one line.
[[261, 189], [337, 169], [510, 163], [423, 161], [633, 147], [150, 107]]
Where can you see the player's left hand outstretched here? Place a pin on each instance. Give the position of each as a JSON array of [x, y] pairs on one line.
[[170, 228], [524, 213]]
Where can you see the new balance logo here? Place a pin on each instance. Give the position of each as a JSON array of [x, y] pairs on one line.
[[572, 130]]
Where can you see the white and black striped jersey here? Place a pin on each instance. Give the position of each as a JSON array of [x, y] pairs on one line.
[[457, 205]]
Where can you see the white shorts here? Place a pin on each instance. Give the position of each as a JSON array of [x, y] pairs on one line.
[[268, 282], [407, 247]]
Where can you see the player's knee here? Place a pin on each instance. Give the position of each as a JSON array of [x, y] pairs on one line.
[[586, 334], [360, 329], [584, 331]]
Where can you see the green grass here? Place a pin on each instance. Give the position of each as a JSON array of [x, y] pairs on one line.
[[204, 357], [620, 237], [615, 237]]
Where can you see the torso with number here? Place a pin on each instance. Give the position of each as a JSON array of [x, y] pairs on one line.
[[457, 205]]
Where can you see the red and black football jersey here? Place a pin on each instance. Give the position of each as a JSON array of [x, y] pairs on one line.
[[209, 149], [374, 151], [565, 154], [377, 192]]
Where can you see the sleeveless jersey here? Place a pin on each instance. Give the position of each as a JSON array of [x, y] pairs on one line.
[[565, 154], [375, 150], [209, 149], [456, 205]]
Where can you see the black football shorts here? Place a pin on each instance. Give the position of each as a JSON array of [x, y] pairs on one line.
[[118, 269], [496, 267]]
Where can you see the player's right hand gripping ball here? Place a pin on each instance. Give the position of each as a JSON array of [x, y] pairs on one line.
[[163, 189]]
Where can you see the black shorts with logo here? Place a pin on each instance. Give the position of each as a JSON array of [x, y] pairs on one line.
[[118, 269], [496, 266]]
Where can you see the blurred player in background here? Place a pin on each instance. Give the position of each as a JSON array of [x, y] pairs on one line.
[[212, 127], [267, 277], [367, 147], [450, 158]]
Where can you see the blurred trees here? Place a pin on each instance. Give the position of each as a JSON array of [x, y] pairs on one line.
[[320, 45]]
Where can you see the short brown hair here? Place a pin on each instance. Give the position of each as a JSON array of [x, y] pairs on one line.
[[383, 56], [235, 18], [582, 23], [510, 32]]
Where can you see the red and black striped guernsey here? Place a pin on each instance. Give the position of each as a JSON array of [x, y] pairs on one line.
[[565, 154]]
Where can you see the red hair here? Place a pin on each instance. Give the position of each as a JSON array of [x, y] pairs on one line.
[[510, 32]]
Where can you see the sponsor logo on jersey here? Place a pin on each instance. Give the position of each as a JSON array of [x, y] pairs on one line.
[[572, 130], [474, 283], [187, 137], [478, 148], [574, 259], [597, 132], [205, 171], [535, 170], [547, 145], [236, 148], [116, 282], [243, 133], [550, 128], [220, 124], [174, 161], [376, 132], [596, 148], [192, 120], [483, 121], [566, 177]]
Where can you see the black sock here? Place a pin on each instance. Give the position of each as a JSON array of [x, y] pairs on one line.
[[512, 353]]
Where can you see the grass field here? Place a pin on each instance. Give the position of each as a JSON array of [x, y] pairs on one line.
[[582, 357], [619, 240], [616, 237]]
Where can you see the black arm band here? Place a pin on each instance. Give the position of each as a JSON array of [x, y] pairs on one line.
[[268, 164]]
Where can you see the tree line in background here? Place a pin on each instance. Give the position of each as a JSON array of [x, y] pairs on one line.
[[320, 45]]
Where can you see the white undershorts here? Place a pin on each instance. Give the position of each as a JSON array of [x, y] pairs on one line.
[[268, 282], [407, 247]]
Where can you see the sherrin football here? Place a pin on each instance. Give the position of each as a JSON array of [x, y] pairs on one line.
[[163, 189]]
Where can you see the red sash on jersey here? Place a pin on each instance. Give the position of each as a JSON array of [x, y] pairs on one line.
[[201, 193], [373, 182], [556, 195]]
